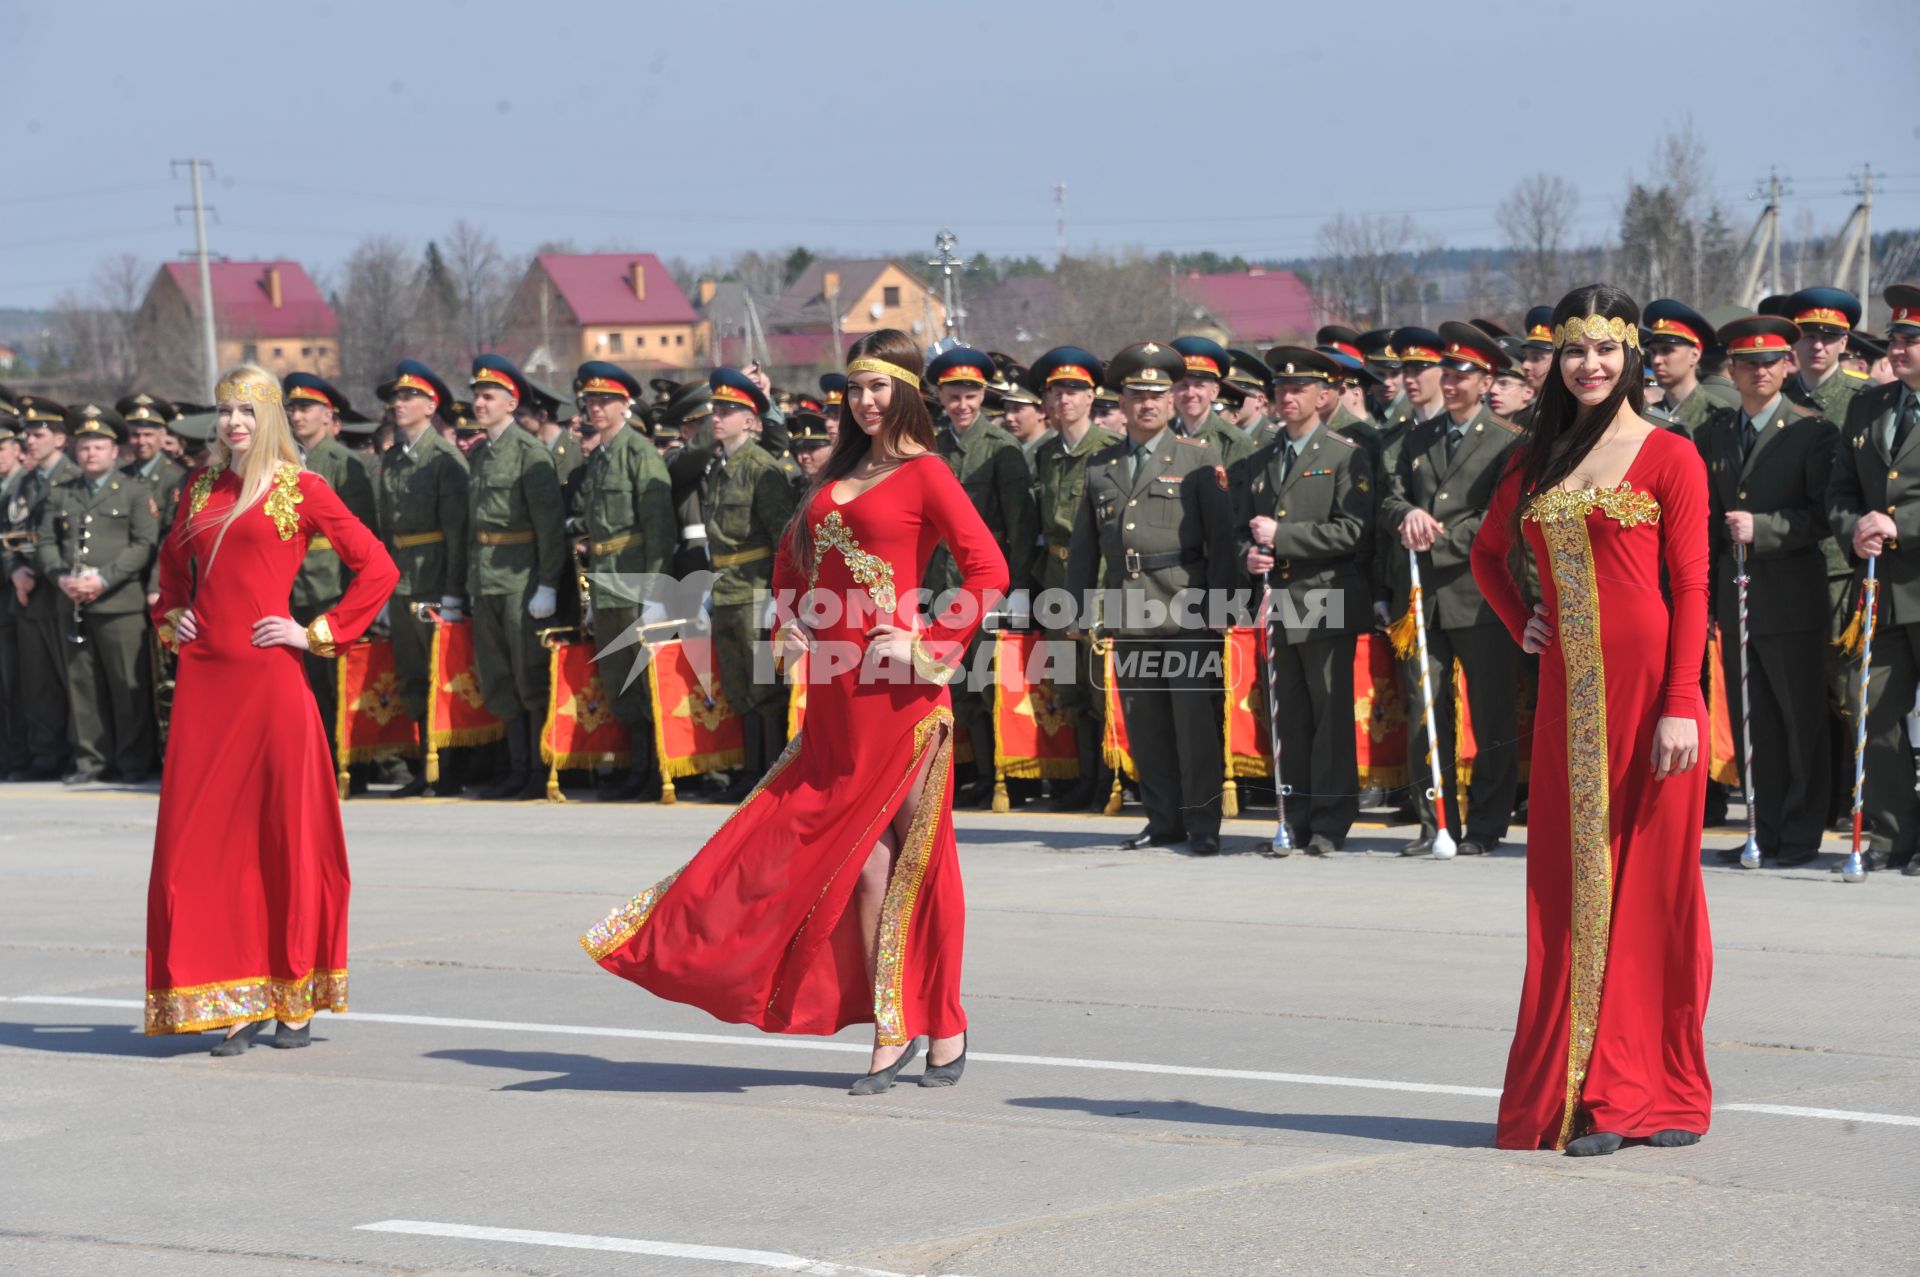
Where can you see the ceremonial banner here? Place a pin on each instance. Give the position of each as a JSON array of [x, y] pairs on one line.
[[1723, 758], [456, 714], [1466, 749], [1379, 715], [1033, 740], [580, 730], [1114, 746], [372, 722], [694, 729], [1248, 733]]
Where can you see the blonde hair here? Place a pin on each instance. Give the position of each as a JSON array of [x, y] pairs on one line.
[[272, 445]]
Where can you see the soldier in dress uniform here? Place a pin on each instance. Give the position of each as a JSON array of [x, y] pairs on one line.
[[1536, 347], [688, 415], [1443, 479], [747, 502], [1304, 510], [1388, 396], [1106, 414], [809, 444], [13, 718], [1677, 336], [1248, 373], [42, 652], [517, 563], [1023, 417], [314, 408], [624, 505], [1066, 377], [1825, 317], [1511, 394], [1768, 463], [1873, 504], [146, 417], [422, 500], [1193, 398], [539, 415], [993, 472], [1155, 520], [97, 535]]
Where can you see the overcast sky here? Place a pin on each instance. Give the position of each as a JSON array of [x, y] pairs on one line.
[[702, 128]]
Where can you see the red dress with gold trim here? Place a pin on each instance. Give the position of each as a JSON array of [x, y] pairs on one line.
[[1619, 956], [756, 928], [247, 904]]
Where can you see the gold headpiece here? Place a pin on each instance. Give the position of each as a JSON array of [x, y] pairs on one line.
[[882, 366], [1597, 328], [246, 386]]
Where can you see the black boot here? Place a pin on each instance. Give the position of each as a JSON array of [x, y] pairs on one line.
[[452, 772], [754, 744], [1086, 745], [978, 792], [514, 779], [535, 785], [416, 784]]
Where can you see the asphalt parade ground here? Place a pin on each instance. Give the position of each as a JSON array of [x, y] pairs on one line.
[[1235, 1065]]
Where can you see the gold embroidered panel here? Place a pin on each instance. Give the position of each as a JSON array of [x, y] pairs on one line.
[[191, 1008], [1625, 505], [283, 499], [903, 889], [203, 487], [870, 570]]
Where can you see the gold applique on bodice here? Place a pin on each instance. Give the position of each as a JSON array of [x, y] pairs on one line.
[[1625, 505], [870, 570], [282, 497]]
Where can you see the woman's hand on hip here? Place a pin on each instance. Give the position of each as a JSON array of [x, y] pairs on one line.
[[890, 643], [1676, 746], [279, 631], [186, 629], [1539, 632]]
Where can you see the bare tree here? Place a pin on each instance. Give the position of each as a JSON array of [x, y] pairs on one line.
[[95, 328], [482, 279], [1537, 219], [1107, 302], [377, 307], [1366, 262]]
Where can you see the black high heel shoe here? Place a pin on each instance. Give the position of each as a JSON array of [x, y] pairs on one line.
[[949, 1073], [878, 1083], [287, 1037], [237, 1042]]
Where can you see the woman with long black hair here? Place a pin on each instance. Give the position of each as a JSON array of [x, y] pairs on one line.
[[831, 896], [1609, 1045]]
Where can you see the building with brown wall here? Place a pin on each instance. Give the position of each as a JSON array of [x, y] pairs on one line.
[[268, 313], [623, 307]]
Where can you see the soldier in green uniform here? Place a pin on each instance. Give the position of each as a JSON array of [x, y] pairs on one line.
[[147, 417], [1106, 414], [1155, 521], [517, 562], [1066, 377], [624, 505], [993, 472], [13, 718], [1195, 394], [1768, 463], [1510, 397], [539, 415], [1444, 474], [1677, 336], [1873, 504], [422, 495], [688, 416], [809, 444], [1386, 400], [314, 410], [96, 539], [1023, 417], [1304, 512], [42, 655], [747, 503]]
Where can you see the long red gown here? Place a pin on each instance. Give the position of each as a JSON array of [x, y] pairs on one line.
[[247, 904], [756, 928], [1619, 957]]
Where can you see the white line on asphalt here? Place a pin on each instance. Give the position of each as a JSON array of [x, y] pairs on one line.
[[626, 1246], [777, 1042]]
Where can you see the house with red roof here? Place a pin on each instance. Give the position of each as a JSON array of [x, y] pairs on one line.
[[1251, 308], [267, 313], [622, 307]]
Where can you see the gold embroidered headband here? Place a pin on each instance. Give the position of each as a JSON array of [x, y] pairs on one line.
[[254, 388], [882, 366], [1597, 328]]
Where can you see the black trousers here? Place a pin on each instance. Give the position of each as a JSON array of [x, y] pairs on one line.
[[1791, 777], [1491, 661], [1170, 697], [1313, 690]]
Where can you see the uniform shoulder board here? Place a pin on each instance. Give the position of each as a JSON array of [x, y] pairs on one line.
[[1853, 373], [1337, 437], [1192, 442], [1505, 425]]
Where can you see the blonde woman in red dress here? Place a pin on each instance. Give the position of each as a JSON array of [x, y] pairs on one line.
[[832, 895], [1610, 1044], [247, 904]]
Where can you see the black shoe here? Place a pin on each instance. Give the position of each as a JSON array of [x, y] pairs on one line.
[[1911, 869], [287, 1038], [1372, 797], [1475, 846], [1598, 1144], [945, 1074], [876, 1083], [1321, 845], [80, 776], [237, 1042], [1204, 844], [1673, 1137], [1421, 846], [42, 771], [1147, 838], [1075, 797], [977, 794], [412, 789], [1797, 856], [1730, 855]]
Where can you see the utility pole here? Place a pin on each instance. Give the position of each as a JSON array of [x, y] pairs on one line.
[[1060, 219], [1773, 218], [944, 244], [1764, 242], [210, 350], [1865, 191]]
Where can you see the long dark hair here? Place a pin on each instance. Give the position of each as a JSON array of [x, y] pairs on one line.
[[1563, 430], [906, 420]]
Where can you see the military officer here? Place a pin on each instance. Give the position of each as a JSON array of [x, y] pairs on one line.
[[1536, 347], [993, 472], [1248, 373], [517, 562], [95, 541], [1444, 474], [1106, 414], [314, 411], [422, 499], [147, 417], [1677, 336], [42, 656], [747, 503], [1023, 417], [1873, 505], [1511, 394], [1304, 512], [1387, 399], [1155, 521], [1825, 317], [1768, 463], [688, 415], [624, 503], [1193, 398], [833, 394], [1066, 377], [810, 445], [13, 719], [539, 416]]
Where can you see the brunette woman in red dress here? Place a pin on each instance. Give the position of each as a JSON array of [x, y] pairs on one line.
[[1609, 1045], [831, 896], [247, 905]]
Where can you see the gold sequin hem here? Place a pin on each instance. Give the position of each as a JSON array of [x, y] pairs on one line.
[[191, 1008]]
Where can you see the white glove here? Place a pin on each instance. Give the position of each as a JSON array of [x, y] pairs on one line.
[[450, 607], [542, 604]]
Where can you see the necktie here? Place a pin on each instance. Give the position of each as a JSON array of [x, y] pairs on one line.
[[1747, 436], [1453, 442], [1290, 454], [1139, 455], [1903, 423]]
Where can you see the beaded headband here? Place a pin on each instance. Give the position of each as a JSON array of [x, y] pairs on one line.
[[1597, 328], [882, 366], [258, 389]]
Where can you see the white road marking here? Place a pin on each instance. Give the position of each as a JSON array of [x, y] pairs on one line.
[[626, 1246], [780, 1043]]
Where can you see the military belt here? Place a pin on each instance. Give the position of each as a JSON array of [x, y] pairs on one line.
[[1136, 562], [407, 540], [613, 545], [523, 537], [744, 556], [319, 543]]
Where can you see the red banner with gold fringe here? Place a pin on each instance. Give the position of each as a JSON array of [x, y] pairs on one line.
[[694, 728], [1723, 755], [456, 714], [1379, 715], [1115, 749], [580, 730], [1033, 738], [372, 722]]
